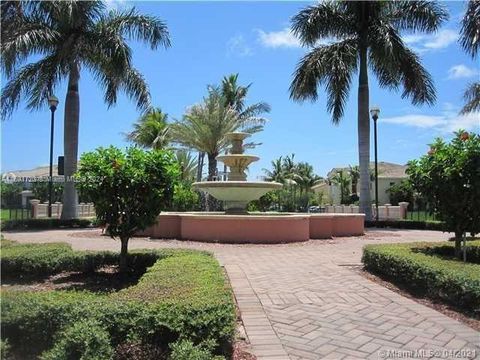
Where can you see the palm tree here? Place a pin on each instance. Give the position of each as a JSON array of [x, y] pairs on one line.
[[470, 41], [354, 172], [205, 125], [342, 179], [366, 33], [305, 176], [277, 173], [151, 130], [235, 97], [188, 166], [71, 36]]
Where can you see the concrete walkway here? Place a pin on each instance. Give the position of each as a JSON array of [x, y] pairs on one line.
[[302, 301]]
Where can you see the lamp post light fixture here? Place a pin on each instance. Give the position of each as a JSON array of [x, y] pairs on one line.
[[52, 103], [375, 111]]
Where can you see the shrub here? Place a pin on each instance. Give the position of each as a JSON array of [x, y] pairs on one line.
[[185, 198], [447, 250], [84, 340], [407, 224], [24, 260], [452, 281], [449, 178], [183, 296], [401, 192], [38, 224], [128, 189], [186, 350]]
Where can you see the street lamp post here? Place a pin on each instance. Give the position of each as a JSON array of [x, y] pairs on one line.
[[52, 102], [374, 112]]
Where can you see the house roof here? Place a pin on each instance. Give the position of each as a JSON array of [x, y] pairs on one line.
[[385, 170]]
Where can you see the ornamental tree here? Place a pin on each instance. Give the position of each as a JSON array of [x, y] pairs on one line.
[[449, 177], [128, 189]]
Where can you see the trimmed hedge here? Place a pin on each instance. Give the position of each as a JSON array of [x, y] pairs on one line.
[[452, 281], [181, 298], [33, 260], [407, 224], [38, 224], [448, 250]]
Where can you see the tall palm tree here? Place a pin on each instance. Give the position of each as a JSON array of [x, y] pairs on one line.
[[151, 130], [71, 36], [205, 125], [470, 41], [365, 33]]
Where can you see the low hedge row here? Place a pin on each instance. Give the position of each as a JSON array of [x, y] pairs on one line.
[[452, 281], [407, 224], [34, 260], [38, 224], [448, 250], [181, 309]]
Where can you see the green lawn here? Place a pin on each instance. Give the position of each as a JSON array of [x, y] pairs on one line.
[[15, 214], [420, 215]]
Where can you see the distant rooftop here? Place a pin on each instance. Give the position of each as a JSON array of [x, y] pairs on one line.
[[385, 170]]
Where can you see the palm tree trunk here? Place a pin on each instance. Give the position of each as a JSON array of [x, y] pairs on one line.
[[364, 136], [212, 166], [201, 156], [70, 143]]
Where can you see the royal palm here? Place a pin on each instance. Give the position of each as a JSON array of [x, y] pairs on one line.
[[362, 35], [69, 37]]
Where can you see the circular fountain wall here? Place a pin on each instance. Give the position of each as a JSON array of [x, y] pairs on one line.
[[236, 225]]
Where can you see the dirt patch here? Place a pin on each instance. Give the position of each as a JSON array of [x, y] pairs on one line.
[[470, 320], [105, 280]]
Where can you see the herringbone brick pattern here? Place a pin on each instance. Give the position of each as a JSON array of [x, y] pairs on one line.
[[299, 301]]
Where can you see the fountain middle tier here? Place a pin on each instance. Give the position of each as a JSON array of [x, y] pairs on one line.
[[237, 164]]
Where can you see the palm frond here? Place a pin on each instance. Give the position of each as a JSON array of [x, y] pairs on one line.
[[472, 98], [34, 81], [135, 26], [332, 65], [420, 15], [326, 19], [470, 32], [395, 64]]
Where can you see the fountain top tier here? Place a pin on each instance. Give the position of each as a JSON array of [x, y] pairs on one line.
[[237, 161]]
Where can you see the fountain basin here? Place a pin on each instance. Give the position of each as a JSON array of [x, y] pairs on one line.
[[237, 194], [257, 228]]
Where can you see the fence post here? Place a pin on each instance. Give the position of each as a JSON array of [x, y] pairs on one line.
[[34, 203], [403, 209]]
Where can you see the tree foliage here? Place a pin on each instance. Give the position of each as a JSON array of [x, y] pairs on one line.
[[128, 189], [401, 192], [151, 130], [449, 177]]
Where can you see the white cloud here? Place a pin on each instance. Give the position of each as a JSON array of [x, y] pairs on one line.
[[437, 41], [448, 121], [276, 39], [115, 4], [462, 71], [237, 46]]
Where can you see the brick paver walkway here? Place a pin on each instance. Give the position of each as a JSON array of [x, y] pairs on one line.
[[303, 301]]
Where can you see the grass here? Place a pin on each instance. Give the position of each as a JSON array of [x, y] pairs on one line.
[[181, 305], [14, 214], [420, 268], [420, 215]]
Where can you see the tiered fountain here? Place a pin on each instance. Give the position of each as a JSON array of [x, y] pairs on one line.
[[237, 192], [235, 225]]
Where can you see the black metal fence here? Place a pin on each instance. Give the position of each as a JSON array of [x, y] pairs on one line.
[[16, 213]]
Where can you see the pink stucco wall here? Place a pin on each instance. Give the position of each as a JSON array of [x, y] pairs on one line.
[[245, 228], [267, 229]]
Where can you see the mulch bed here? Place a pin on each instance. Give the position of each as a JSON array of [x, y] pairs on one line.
[[448, 310], [104, 280]]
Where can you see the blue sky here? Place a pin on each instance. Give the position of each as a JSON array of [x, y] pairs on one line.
[[213, 39]]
